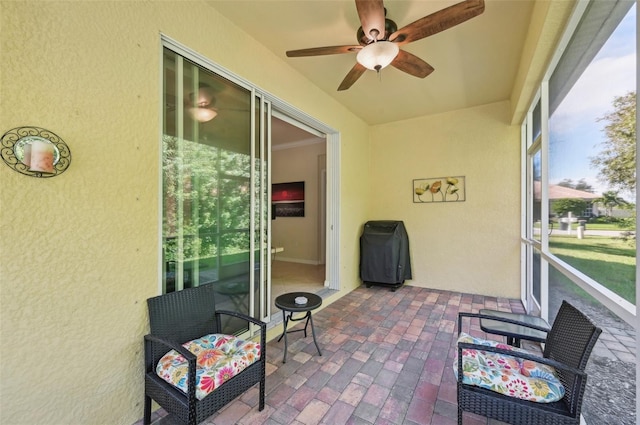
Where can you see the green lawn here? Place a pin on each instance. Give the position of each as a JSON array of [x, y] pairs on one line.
[[593, 226], [605, 226], [610, 261], [590, 226]]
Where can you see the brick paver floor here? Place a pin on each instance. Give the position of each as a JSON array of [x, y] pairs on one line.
[[386, 359]]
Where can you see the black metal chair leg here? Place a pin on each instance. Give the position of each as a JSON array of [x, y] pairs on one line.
[[147, 411], [262, 393]]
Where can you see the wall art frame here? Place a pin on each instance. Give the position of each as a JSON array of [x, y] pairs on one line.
[[439, 189], [35, 151], [287, 199]]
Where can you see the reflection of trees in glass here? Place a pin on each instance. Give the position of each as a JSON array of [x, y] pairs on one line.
[[206, 194], [235, 200]]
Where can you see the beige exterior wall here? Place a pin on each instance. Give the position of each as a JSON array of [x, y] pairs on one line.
[[298, 235], [471, 246], [80, 252]]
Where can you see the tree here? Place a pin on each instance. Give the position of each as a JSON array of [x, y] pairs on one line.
[[583, 186], [617, 160], [574, 205], [610, 199], [566, 183]]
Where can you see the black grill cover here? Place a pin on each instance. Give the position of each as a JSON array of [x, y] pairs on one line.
[[384, 253]]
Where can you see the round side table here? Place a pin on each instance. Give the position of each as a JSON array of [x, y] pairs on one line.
[[287, 303]]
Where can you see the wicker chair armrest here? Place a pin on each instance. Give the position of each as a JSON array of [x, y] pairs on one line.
[[498, 319], [188, 355], [542, 360], [263, 326], [246, 317], [171, 345]]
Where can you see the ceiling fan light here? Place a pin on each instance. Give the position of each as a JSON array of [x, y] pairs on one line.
[[202, 114], [377, 55], [204, 95]]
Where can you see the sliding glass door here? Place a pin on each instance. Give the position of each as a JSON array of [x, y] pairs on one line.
[[215, 171]]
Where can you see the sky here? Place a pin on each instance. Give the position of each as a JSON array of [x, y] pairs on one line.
[[576, 135]]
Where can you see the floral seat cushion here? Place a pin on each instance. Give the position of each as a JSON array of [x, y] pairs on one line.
[[219, 358], [511, 376]]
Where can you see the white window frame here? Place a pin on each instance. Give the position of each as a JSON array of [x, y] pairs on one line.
[[332, 275], [615, 303]]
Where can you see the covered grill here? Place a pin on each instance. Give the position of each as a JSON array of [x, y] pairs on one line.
[[384, 254]]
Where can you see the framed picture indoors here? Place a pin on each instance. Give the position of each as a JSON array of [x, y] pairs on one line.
[[287, 199]]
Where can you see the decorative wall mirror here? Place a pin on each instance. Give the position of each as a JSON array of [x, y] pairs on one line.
[[35, 152]]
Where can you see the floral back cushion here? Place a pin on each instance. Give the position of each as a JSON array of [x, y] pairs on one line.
[[219, 358], [508, 375]]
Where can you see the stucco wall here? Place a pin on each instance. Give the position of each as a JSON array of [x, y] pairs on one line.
[[471, 246], [80, 252], [298, 235]]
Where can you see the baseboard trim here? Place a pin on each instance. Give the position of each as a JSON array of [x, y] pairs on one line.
[[296, 260]]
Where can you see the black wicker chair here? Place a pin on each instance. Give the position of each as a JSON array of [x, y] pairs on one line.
[[182, 316], [567, 348]]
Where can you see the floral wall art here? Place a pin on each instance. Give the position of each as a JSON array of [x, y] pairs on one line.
[[439, 189]]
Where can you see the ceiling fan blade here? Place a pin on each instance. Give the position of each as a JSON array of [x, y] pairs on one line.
[[411, 64], [353, 75], [438, 21], [319, 51], [371, 14]]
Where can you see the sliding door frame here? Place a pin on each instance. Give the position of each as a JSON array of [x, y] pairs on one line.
[[272, 103]]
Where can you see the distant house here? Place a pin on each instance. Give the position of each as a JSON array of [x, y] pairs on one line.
[[557, 192], [561, 192]]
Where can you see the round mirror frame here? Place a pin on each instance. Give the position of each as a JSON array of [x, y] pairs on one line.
[[12, 144]]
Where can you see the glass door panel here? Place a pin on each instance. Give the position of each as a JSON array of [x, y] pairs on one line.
[[211, 188]]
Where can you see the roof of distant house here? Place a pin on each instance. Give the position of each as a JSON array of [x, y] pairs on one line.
[[562, 192]]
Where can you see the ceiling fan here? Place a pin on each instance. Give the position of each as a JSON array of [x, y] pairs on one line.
[[380, 39]]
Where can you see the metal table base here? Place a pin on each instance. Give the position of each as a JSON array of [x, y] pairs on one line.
[[286, 303]]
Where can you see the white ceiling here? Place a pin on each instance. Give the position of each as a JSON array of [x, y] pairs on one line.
[[475, 62], [285, 135]]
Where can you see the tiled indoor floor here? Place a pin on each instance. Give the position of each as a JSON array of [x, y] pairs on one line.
[[386, 359]]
